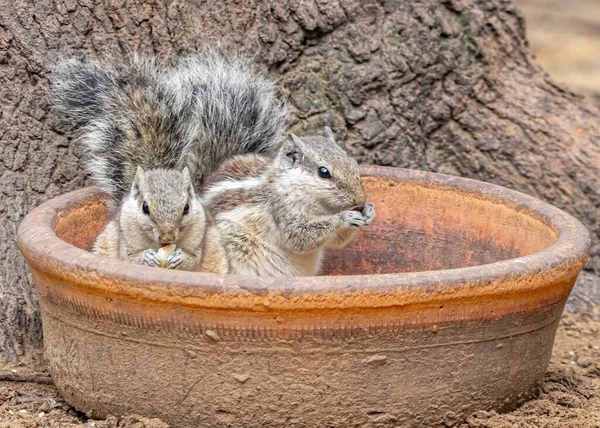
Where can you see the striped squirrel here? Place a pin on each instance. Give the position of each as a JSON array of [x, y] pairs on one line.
[[150, 135], [276, 215]]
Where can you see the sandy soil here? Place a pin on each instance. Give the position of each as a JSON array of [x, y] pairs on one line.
[[565, 37], [569, 396], [30, 405]]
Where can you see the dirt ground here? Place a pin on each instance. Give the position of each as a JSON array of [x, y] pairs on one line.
[[570, 394], [565, 37], [31, 405]]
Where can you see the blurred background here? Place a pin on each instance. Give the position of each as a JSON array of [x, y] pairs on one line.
[[565, 37]]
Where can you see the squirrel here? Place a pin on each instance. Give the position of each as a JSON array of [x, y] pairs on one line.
[[151, 135], [162, 208], [276, 215]]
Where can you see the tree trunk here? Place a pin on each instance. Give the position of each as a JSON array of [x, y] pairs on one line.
[[446, 86]]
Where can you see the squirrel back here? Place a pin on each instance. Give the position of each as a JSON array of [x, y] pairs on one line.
[[195, 114]]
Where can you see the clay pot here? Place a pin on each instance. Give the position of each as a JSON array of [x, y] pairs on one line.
[[447, 303]]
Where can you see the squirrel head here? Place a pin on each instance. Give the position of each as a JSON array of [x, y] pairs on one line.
[[317, 168], [162, 202]]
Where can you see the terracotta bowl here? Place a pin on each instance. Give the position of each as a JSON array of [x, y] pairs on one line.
[[447, 303]]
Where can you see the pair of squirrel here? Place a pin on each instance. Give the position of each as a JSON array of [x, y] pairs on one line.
[[153, 138]]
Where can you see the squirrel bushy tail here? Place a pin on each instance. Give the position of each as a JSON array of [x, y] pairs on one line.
[[96, 98], [80, 88], [196, 114]]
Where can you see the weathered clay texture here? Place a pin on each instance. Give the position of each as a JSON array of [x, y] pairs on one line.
[[374, 344], [443, 86]]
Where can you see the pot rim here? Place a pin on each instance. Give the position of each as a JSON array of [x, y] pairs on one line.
[[527, 275]]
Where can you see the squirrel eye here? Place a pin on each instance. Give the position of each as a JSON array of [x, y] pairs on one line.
[[186, 209], [145, 208], [324, 172]]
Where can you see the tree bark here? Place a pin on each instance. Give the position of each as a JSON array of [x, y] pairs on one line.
[[447, 86]]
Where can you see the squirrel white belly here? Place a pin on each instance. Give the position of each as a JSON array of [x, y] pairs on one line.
[[277, 215]]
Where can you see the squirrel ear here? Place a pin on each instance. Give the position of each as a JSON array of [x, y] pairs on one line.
[[138, 180], [328, 134], [297, 140], [291, 152], [186, 174], [187, 178]]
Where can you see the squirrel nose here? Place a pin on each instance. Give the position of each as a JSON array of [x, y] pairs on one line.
[[167, 237]]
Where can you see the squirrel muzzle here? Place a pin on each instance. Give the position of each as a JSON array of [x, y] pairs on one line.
[[167, 237], [360, 198]]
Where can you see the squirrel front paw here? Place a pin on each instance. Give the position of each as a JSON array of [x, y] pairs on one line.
[[353, 218], [175, 259], [362, 218], [368, 213], [150, 258]]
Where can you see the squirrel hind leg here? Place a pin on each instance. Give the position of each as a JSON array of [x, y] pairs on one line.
[[107, 242], [214, 259]]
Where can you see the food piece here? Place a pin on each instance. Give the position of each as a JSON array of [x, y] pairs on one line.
[[164, 252]]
